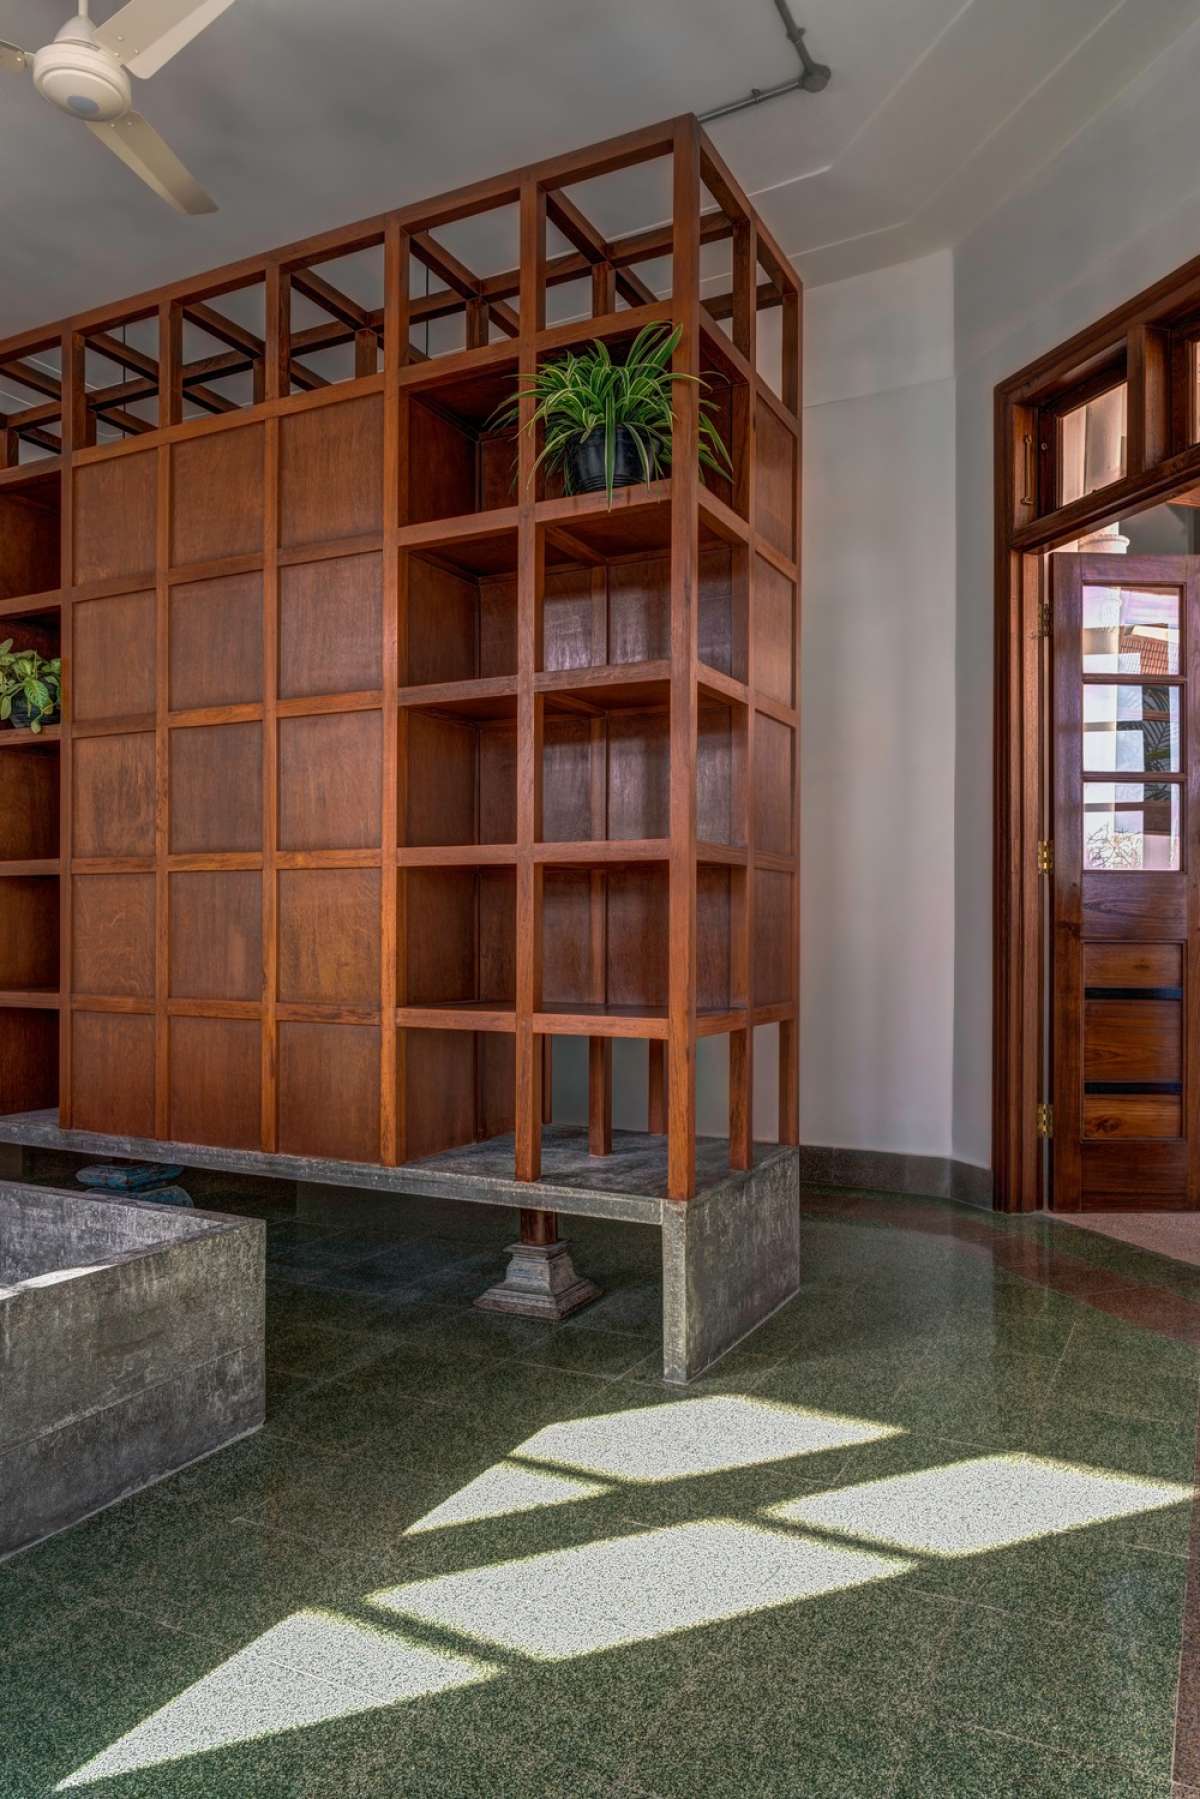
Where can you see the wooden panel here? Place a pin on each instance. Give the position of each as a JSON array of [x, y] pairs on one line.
[[28, 932], [1132, 1040], [28, 1060], [29, 541], [713, 935], [774, 607], [1148, 905], [720, 636], [440, 1079], [567, 937], [329, 1091], [112, 935], [638, 937], [216, 642], [112, 1072], [497, 628], [461, 936], [1132, 1115], [216, 949], [114, 523], [330, 615], [717, 819], [329, 936], [638, 621], [1125, 1175], [29, 802], [461, 782], [569, 619], [772, 947], [112, 657], [441, 781], [216, 789], [775, 481], [638, 775], [1133, 964], [330, 793], [773, 785], [440, 475], [214, 1081], [114, 795], [217, 495], [567, 780], [443, 624], [331, 472]]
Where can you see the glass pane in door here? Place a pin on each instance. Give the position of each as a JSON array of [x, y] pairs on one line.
[[1131, 730], [1131, 826], [1130, 631]]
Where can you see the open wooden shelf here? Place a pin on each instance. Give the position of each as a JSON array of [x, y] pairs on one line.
[[389, 762]]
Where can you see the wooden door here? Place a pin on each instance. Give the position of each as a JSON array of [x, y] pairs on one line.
[[1126, 1031]]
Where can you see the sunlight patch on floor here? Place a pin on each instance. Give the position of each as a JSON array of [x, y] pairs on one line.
[[696, 1436], [990, 1502], [287, 1679], [503, 1489], [621, 1590]]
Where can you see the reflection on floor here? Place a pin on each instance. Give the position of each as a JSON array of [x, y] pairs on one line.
[[925, 1534], [1175, 1234]]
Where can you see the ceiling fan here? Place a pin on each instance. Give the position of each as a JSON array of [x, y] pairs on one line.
[[83, 73]]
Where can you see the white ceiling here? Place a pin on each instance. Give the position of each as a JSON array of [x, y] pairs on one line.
[[299, 116]]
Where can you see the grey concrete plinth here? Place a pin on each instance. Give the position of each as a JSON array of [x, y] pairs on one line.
[[131, 1343], [731, 1257], [540, 1282]]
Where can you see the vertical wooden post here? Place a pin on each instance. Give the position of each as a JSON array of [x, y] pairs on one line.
[[600, 1059], [162, 736], [278, 385], [170, 364], [530, 582], [789, 1029], [604, 289], [681, 997], [73, 428], [392, 1121], [656, 1082], [741, 1043]]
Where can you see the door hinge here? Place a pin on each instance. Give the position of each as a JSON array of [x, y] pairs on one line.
[[1045, 618], [1045, 1120], [1045, 856]]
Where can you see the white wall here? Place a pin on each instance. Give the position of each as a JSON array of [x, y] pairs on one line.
[[1117, 209], [877, 740], [877, 902]]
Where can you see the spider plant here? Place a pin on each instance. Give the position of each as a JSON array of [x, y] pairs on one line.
[[608, 424], [30, 687]]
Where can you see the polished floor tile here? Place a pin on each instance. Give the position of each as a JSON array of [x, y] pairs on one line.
[[924, 1534]]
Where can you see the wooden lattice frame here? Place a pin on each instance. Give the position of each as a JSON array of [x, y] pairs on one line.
[[763, 544]]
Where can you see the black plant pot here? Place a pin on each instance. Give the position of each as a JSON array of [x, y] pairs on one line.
[[585, 462], [23, 714]]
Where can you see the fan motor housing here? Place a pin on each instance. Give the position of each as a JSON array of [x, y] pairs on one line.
[[82, 79]]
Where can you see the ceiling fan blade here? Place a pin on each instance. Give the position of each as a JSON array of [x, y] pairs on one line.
[[147, 33], [139, 146], [13, 57]]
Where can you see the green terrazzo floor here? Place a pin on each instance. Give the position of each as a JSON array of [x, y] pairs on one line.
[[925, 1533]]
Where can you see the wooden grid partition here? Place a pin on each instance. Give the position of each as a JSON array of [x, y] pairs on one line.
[[384, 762]]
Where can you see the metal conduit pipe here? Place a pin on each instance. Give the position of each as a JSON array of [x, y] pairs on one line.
[[814, 76]]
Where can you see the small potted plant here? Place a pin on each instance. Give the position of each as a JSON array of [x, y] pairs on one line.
[[608, 424], [30, 688]]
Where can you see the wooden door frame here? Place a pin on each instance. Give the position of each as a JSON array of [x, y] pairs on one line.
[[1152, 344]]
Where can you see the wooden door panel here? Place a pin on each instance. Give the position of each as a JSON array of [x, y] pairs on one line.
[[1126, 811]]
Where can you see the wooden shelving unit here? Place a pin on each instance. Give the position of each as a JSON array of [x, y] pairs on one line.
[[30, 613], [385, 762]]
